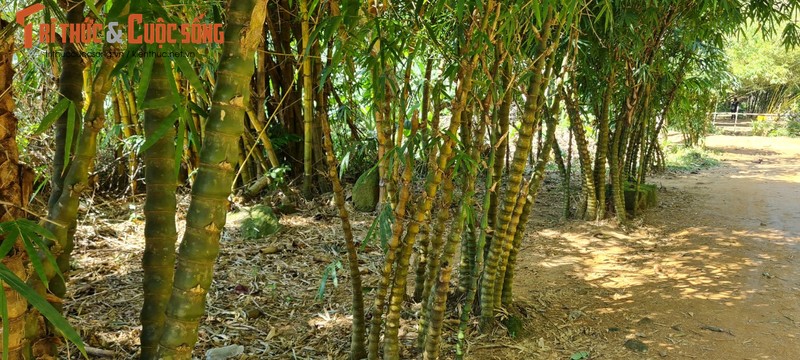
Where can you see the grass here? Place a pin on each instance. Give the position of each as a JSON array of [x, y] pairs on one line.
[[686, 159]]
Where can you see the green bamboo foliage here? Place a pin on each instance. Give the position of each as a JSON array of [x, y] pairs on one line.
[[206, 215], [159, 210]]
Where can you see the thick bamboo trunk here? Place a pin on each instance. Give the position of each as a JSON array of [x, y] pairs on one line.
[[601, 151], [205, 218], [584, 157], [15, 187], [70, 86], [522, 222], [159, 211], [498, 247]]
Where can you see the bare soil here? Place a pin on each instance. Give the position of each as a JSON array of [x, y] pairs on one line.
[[710, 273]]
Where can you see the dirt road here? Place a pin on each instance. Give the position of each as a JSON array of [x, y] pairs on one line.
[[712, 273]]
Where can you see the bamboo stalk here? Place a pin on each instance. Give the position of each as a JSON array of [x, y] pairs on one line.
[[159, 211], [205, 218]]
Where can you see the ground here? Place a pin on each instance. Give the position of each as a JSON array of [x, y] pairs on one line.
[[710, 273]]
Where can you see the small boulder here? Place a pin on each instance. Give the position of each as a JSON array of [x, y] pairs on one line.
[[365, 191], [636, 345], [259, 223], [225, 352]]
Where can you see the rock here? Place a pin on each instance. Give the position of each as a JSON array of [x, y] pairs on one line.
[[260, 222], [225, 352], [648, 196], [514, 325], [253, 313], [645, 321], [365, 191], [636, 345]]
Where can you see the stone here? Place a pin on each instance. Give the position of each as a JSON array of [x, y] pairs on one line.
[[259, 223], [636, 345], [648, 196], [514, 325], [225, 352], [365, 191]]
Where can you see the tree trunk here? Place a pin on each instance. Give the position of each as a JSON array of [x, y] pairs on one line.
[[159, 211], [15, 188], [308, 117], [206, 215]]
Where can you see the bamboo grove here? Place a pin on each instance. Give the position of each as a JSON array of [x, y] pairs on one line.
[[460, 106]]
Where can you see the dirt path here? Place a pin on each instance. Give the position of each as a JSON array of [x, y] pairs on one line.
[[712, 273]]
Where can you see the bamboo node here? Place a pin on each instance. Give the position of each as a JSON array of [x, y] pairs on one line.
[[197, 290], [212, 227], [225, 165]]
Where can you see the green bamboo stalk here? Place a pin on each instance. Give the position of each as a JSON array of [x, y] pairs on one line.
[[601, 152], [514, 185], [504, 115], [64, 212], [477, 265], [584, 157], [503, 233], [208, 209], [308, 134], [522, 221], [424, 205], [70, 86], [358, 337], [436, 243], [438, 301], [159, 210]]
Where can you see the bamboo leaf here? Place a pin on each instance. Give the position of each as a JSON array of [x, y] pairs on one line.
[[200, 111], [51, 117], [70, 130], [4, 314], [179, 140], [161, 102], [36, 233], [10, 235], [130, 53], [147, 74], [90, 5], [151, 139], [190, 74], [44, 307], [36, 262]]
